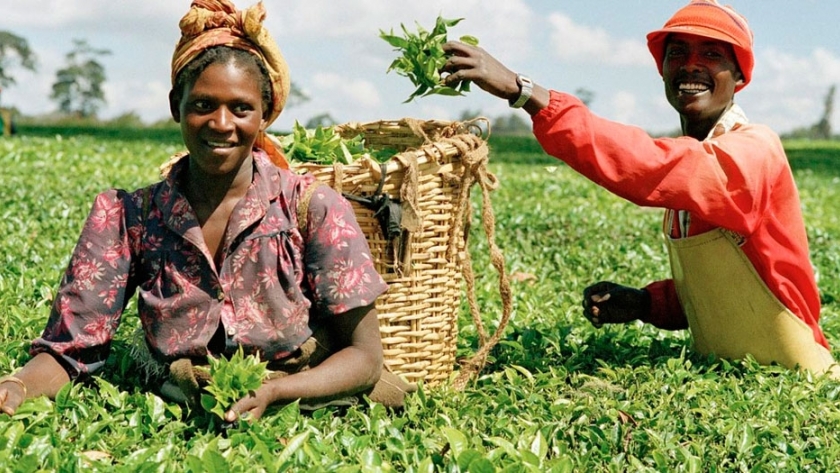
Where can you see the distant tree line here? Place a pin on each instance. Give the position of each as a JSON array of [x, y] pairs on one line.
[[78, 92], [78, 85], [822, 129], [78, 88]]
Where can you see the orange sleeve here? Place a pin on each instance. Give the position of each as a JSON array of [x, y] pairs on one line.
[[726, 181]]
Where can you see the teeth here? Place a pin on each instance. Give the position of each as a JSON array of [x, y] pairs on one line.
[[693, 87], [220, 144]]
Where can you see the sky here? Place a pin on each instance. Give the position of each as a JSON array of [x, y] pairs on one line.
[[336, 57]]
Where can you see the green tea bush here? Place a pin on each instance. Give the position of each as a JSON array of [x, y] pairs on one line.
[[556, 396]]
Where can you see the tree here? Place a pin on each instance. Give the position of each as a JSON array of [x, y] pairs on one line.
[[512, 124], [585, 95], [78, 86], [322, 120], [11, 43], [822, 129], [468, 115], [296, 96]]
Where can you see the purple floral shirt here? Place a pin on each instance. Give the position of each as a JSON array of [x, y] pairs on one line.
[[272, 281]]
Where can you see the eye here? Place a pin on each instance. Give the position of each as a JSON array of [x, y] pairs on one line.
[[675, 51], [242, 109], [714, 54], [201, 105]]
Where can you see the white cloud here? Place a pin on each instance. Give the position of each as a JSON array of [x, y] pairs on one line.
[[146, 98], [788, 91], [625, 107], [93, 15], [357, 24], [582, 43], [344, 92]]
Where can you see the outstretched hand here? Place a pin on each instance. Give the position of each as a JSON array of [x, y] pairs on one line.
[[472, 63], [609, 303]]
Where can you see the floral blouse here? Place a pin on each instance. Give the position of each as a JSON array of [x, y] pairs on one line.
[[273, 279]]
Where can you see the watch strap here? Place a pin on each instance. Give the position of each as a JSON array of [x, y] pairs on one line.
[[526, 88]]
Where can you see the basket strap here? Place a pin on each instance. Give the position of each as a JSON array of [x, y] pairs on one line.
[[476, 157], [303, 205]]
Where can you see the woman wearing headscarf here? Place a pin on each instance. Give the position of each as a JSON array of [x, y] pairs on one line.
[[742, 279], [228, 251]]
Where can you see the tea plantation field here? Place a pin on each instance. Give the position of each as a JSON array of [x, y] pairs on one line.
[[557, 394]]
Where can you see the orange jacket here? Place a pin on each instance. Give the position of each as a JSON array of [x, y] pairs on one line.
[[739, 180]]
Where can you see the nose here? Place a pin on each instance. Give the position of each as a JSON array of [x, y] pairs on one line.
[[222, 120], [693, 61]]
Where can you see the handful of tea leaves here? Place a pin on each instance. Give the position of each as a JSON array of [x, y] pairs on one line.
[[324, 145], [423, 56], [231, 380]]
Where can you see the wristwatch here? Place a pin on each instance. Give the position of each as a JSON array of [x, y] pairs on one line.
[[526, 87]]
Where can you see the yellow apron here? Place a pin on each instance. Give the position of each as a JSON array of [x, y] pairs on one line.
[[732, 313]]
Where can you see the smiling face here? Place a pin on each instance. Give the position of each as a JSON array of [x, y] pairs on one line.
[[221, 114], [700, 76]]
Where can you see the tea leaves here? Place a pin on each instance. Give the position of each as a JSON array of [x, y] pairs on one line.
[[556, 396], [422, 57]]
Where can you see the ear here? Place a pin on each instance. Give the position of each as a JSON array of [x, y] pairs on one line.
[[739, 77], [175, 106]]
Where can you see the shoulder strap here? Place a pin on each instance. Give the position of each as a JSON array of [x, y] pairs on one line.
[[303, 205]]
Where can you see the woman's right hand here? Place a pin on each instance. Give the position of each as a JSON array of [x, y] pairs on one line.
[[12, 396], [40, 376]]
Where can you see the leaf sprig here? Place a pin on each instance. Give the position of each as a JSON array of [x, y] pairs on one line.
[[324, 145], [231, 380], [423, 56]]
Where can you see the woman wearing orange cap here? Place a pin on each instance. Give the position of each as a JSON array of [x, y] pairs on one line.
[[742, 278], [216, 250]]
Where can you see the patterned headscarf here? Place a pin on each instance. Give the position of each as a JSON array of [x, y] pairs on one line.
[[211, 23], [709, 19]]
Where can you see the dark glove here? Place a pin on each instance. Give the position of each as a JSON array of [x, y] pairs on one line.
[[609, 303]]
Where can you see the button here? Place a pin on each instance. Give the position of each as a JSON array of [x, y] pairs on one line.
[[220, 296], [231, 332]]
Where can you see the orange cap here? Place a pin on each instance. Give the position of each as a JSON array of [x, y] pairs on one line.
[[709, 19]]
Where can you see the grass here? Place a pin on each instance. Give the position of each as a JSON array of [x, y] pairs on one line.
[[558, 395]]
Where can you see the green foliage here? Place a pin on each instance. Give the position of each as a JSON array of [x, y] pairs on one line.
[[231, 379], [557, 396], [423, 56], [324, 146], [78, 86], [12, 43]]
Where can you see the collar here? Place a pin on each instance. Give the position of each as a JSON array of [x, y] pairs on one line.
[[731, 119], [266, 180], [265, 187]]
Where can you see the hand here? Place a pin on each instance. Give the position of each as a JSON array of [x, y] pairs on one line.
[[609, 303], [11, 397], [475, 64], [249, 408]]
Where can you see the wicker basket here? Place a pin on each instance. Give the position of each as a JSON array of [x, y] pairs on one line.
[[430, 176]]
